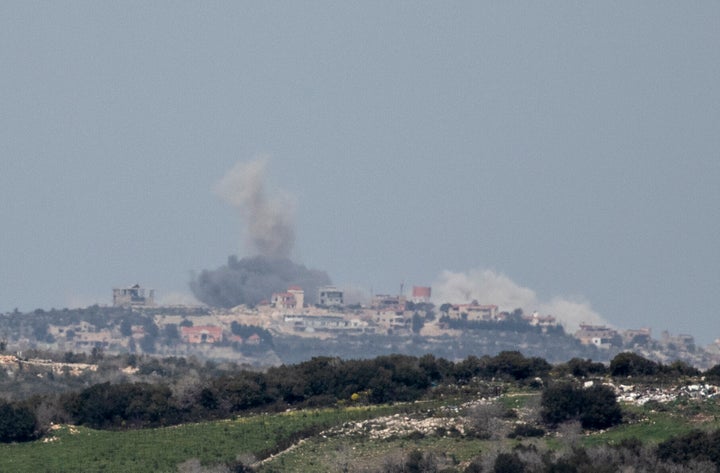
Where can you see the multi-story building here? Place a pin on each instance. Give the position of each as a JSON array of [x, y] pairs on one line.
[[421, 294], [641, 336], [133, 296], [389, 303], [294, 298], [473, 311], [330, 296], [598, 335]]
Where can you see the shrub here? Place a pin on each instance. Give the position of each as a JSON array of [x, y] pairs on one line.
[[693, 446], [631, 364], [508, 463], [595, 407], [17, 424], [580, 368], [526, 430]]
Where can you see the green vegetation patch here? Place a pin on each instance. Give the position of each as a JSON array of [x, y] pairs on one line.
[[72, 449]]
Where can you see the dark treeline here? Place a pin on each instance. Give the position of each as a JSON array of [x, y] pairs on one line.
[[175, 390], [317, 382]]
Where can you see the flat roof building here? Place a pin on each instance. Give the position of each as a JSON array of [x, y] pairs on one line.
[[133, 296], [421, 294], [330, 296]]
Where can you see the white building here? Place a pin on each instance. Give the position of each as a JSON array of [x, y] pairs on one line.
[[330, 296]]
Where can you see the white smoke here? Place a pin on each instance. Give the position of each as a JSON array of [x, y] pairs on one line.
[[270, 226], [178, 298], [488, 287], [355, 294]]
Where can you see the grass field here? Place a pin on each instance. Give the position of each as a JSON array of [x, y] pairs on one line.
[[73, 449], [78, 449], [326, 455]]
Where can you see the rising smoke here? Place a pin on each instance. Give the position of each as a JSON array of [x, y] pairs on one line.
[[250, 280], [270, 236], [269, 221], [489, 287]]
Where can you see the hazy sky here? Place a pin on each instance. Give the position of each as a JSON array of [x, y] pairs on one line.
[[571, 149]]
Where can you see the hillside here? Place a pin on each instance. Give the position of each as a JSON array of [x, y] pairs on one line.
[[268, 336], [369, 438]]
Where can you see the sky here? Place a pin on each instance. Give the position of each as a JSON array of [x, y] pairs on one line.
[[563, 155]]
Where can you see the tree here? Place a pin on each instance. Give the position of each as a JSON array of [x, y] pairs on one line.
[[126, 328], [508, 463], [97, 354], [600, 409], [632, 364], [17, 424], [595, 407], [171, 332], [147, 344], [580, 368], [713, 372], [560, 402], [114, 405], [485, 421], [696, 445], [514, 364], [417, 323]]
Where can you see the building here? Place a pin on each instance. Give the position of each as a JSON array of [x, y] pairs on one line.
[[641, 336], [294, 298], [299, 295], [327, 323], [389, 303], [133, 296], [390, 319], [99, 339], [201, 334], [598, 335], [538, 320], [681, 341], [330, 296], [421, 294], [473, 311]]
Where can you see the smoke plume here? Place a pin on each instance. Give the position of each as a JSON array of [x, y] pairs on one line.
[[489, 287], [271, 236], [250, 280], [269, 221]]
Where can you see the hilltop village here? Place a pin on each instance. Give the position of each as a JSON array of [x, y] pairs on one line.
[[286, 328]]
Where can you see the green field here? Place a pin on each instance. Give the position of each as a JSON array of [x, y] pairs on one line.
[[73, 449]]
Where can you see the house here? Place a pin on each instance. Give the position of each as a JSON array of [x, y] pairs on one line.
[[386, 302], [100, 339], [201, 334], [390, 319], [330, 296], [473, 311], [681, 341], [133, 296], [294, 298], [598, 335], [421, 294], [641, 336], [538, 320], [328, 323]]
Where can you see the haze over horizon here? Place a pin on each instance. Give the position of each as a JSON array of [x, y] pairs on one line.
[[560, 155]]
